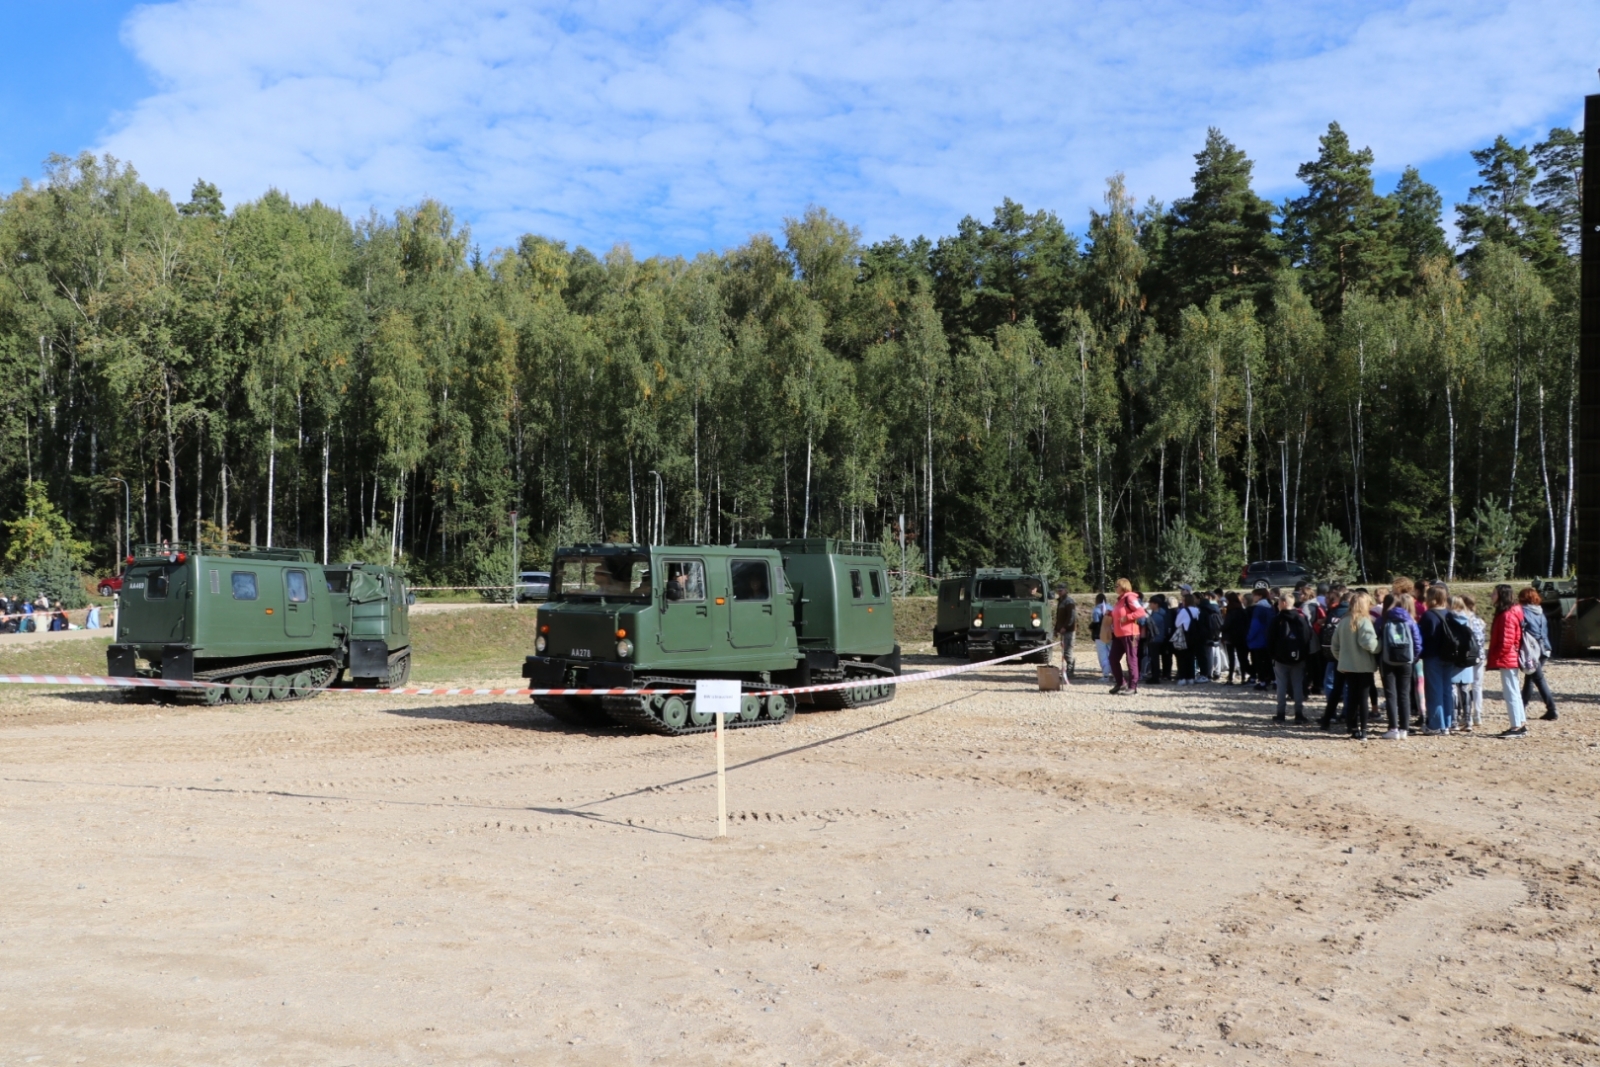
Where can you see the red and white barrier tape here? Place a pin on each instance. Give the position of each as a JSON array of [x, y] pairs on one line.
[[172, 683]]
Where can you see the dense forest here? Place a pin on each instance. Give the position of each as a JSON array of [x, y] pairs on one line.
[[1182, 388]]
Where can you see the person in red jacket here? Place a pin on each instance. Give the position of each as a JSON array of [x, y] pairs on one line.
[[1125, 637], [1505, 640]]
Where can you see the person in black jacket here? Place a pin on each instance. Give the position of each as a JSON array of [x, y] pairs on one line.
[[1235, 626], [1289, 645]]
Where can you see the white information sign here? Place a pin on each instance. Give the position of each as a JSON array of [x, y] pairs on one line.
[[719, 697]]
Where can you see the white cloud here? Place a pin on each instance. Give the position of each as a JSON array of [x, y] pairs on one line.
[[679, 126]]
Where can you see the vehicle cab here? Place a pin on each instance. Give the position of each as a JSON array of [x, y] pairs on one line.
[[991, 612], [616, 611]]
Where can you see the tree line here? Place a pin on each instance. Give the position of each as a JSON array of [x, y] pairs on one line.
[[1181, 389]]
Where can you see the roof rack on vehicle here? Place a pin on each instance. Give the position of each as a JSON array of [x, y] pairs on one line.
[[166, 550], [812, 545]]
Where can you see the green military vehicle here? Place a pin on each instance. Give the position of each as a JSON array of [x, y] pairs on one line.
[[992, 612], [773, 614], [271, 622]]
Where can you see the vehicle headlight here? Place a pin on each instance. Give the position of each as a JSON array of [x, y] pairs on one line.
[[977, 623], [624, 648], [1036, 620], [538, 646]]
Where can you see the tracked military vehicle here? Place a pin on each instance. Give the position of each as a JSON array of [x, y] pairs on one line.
[[270, 622], [772, 613], [992, 612]]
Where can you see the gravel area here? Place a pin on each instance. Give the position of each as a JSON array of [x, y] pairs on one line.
[[975, 873]]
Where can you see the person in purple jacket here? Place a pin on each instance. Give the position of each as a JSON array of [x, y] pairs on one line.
[[1399, 650]]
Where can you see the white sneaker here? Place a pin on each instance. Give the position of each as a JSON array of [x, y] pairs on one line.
[[1402, 734], [1392, 735]]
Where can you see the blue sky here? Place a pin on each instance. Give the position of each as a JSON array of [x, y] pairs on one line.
[[678, 127]]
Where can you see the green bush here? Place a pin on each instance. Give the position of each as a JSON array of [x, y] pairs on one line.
[[1180, 556], [1495, 536], [56, 575], [494, 568], [371, 548], [1329, 558], [1072, 560], [914, 584], [1035, 552]]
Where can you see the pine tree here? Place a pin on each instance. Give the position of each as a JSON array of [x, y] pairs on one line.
[[1219, 239], [1559, 158], [1341, 233], [1418, 212], [1499, 208]]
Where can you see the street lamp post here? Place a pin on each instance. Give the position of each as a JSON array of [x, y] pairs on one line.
[[516, 563], [127, 515]]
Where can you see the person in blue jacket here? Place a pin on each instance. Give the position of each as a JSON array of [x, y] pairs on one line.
[[1438, 672], [1398, 677], [1534, 622], [1259, 636]]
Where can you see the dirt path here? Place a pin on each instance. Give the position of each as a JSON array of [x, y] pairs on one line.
[[973, 874]]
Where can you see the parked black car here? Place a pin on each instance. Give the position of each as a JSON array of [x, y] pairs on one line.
[[1282, 573]]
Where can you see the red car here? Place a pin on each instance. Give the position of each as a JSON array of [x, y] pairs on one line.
[[111, 585]]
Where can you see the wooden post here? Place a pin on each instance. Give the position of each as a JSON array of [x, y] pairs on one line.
[[722, 781], [719, 697]]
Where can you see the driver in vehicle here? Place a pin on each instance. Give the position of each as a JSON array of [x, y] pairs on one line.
[[752, 585], [677, 584]]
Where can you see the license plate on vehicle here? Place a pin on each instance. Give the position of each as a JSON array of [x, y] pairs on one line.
[[1007, 626], [581, 652]]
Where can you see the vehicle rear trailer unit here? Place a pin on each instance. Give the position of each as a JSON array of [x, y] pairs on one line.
[[1580, 628]]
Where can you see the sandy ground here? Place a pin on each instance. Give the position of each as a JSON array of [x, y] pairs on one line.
[[974, 874]]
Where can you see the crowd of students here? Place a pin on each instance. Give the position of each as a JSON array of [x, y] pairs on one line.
[[1426, 649], [19, 615]]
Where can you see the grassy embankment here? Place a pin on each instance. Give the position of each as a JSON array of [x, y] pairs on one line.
[[459, 646]]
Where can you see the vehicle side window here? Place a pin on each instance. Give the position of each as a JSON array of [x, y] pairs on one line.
[[338, 582], [686, 579], [244, 585], [156, 587], [877, 585], [961, 594], [750, 579], [299, 588], [855, 584]]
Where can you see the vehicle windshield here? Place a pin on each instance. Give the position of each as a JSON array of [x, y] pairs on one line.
[[1010, 589], [613, 577]]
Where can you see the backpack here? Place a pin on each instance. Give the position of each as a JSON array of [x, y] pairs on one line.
[[1398, 649], [1180, 635], [1289, 644], [1212, 619], [1317, 617], [1530, 653], [1467, 651]]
